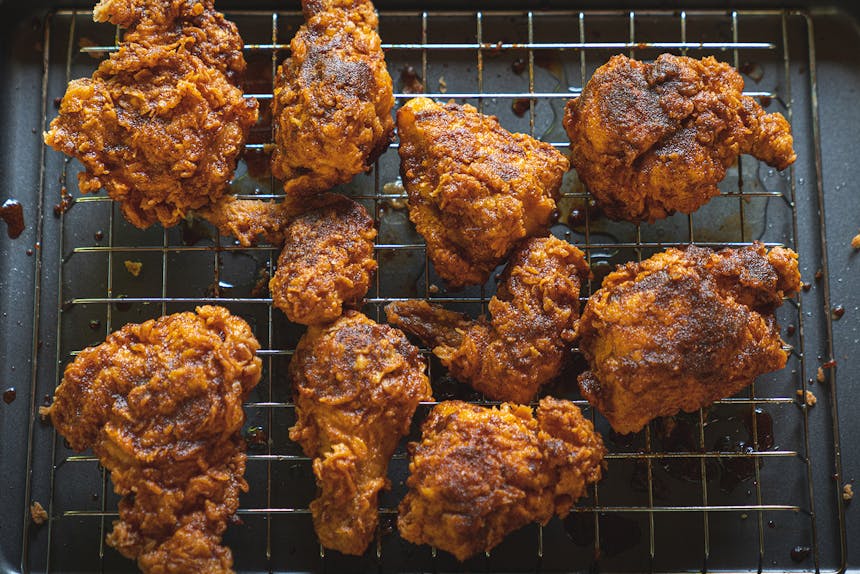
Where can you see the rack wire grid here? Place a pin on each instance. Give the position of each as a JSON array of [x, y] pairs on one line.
[[732, 487]]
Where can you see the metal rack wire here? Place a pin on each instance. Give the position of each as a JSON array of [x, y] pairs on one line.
[[482, 38]]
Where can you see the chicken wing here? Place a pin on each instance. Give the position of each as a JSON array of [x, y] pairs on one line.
[[333, 98], [356, 386], [652, 139], [480, 473], [160, 124], [683, 329], [161, 406], [327, 261], [533, 317], [475, 189]]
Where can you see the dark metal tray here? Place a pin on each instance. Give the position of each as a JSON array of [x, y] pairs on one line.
[[723, 491]]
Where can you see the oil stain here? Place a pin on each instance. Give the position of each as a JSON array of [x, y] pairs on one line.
[[12, 212]]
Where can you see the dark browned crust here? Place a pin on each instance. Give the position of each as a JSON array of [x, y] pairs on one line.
[[161, 123], [683, 329], [327, 262], [356, 386], [213, 38], [475, 189], [525, 342], [650, 139], [333, 98], [160, 404], [480, 473]]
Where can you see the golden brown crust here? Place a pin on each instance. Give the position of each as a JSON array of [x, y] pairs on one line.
[[475, 189], [533, 317], [651, 139], [159, 125], [160, 404], [333, 98], [683, 329], [213, 39], [249, 219], [327, 261], [356, 385], [480, 473]]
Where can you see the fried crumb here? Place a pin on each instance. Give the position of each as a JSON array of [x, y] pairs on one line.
[[39, 515], [133, 267], [819, 376], [810, 398], [433, 288], [443, 85], [847, 492], [44, 413], [394, 188], [855, 242]]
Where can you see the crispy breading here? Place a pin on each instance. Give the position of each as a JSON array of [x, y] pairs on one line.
[[526, 340], [480, 473], [327, 261], [475, 189], [249, 219], [214, 39], [159, 125], [333, 98], [683, 329], [160, 404], [356, 386], [650, 139]]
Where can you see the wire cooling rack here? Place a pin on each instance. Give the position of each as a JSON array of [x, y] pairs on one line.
[[743, 485]]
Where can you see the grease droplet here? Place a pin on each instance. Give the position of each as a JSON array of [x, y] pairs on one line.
[[12, 212], [66, 203], [410, 81], [256, 437], [520, 106], [800, 553]]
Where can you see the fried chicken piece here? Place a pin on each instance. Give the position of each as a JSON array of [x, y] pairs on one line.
[[652, 139], [356, 385], [683, 329], [160, 404], [533, 318], [333, 98], [213, 38], [327, 261], [480, 473], [159, 125], [328, 245], [249, 219], [475, 189]]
